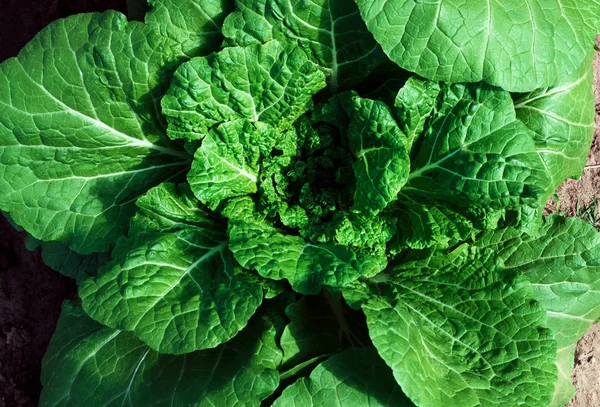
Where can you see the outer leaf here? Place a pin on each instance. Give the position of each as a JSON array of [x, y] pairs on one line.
[[66, 261], [331, 31], [272, 83], [563, 265], [228, 162], [196, 24], [382, 163], [319, 325], [71, 264], [519, 46], [456, 331], [88, 364], [356, 377], [562, 120], [475, 160], [173, 282], [80, 133]]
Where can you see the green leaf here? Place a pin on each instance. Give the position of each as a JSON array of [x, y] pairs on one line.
[[308, 267], [423, 225], [81, 135], [563, 265], [382, 163], [272, 83], [457, 330], [562, 120], [88, 364], [195, 24], [517, 46], [71, 264], [320, 325], [356, 377], [173, 282], [414, 104], [330, 31], [475, 161], [228, 162], [68, 262]]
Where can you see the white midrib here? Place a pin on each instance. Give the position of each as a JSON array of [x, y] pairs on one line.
[[132, 141], [556, 117], [127, 391], [84, 362], [431, 165], [551, 92], [241, 171]]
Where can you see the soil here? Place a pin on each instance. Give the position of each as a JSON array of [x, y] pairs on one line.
[[31, 294], [30, 298], [586, 374]]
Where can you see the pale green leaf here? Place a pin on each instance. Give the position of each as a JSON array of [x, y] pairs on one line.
[[257, 245], [414, 104]]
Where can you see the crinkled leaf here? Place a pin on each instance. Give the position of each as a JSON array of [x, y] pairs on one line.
[[81, 135], [369, 233], [476, 160], [173, 282], [331, 31], [308, 267], [272, 83], [563, 265], [88, 364], [355, 377], [562, 120], [382, 163], [518, 46], [257, 245], [228, 162], [414, 104], [458, 331], [423, 225], [195, 24]]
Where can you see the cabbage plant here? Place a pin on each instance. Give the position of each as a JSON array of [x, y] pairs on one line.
[[308, 203]]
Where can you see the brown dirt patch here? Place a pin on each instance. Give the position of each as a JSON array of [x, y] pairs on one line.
[[586, 374]]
